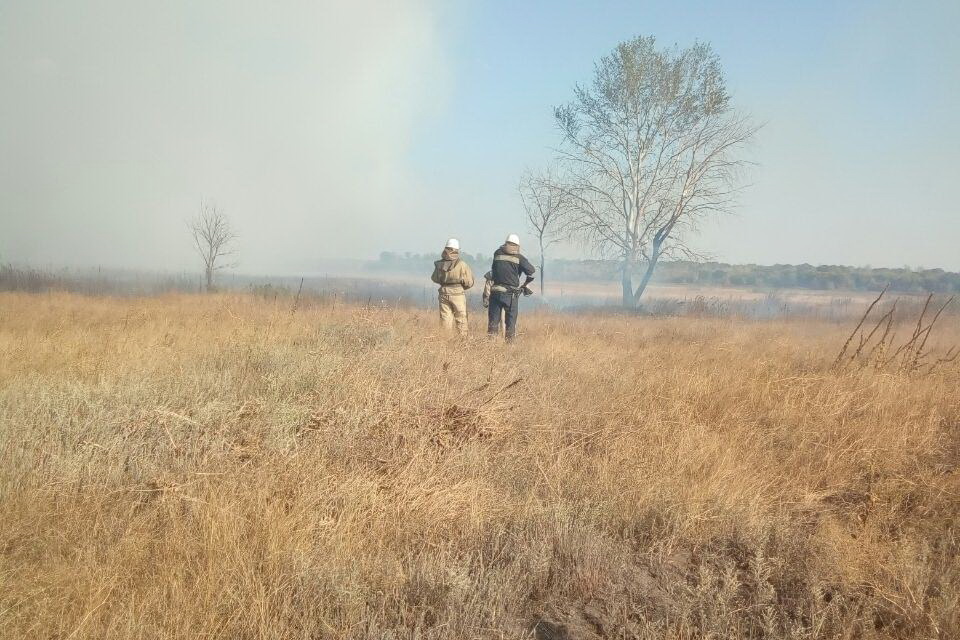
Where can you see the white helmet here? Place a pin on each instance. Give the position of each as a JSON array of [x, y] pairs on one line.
[[513, 239], [453, 243]]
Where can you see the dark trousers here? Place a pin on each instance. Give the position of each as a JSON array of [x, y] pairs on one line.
[[509, 305]]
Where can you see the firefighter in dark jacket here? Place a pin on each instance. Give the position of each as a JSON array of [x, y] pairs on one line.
[[508, 265]]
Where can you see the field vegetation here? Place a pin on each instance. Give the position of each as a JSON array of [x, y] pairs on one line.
[[234, 466]]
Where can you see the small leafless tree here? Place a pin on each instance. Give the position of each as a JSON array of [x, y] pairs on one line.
[[543, 201], [213, 239], [650, 148]]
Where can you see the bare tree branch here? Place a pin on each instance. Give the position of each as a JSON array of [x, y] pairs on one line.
[[213, 239], [544, 202], [648, 150]]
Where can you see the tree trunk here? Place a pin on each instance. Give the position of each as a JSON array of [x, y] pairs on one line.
[[543, 261], [209, 279], [654, 258], [626, 281]]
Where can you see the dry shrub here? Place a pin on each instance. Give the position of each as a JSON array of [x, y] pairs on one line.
[[878, 347], [191, 466]]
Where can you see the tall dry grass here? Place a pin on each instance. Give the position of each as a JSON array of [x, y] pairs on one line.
[[217, 467]]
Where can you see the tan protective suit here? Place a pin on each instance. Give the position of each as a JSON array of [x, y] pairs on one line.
[[454, 277]]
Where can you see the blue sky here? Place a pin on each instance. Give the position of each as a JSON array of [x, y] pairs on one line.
[[339, 129], [859, 101]]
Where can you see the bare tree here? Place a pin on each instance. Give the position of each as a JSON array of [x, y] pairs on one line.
[[213, 239], [650, 148], [543, 201]]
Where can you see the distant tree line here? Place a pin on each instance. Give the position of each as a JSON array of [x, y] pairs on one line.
[[716, 274], [806, 276], [419, 263]]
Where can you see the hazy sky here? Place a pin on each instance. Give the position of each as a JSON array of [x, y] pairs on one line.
[[340, 129]]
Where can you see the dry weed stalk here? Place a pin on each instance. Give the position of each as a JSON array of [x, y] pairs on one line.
[[911, 356]]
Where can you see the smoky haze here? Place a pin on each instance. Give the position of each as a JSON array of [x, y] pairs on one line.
[[335, 129], [293, 117]]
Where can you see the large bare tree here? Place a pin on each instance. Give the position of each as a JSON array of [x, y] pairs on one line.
[[650, 148], [214, 240], [543, 200]]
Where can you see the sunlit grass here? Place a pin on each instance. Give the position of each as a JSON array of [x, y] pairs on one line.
[[193, 466]]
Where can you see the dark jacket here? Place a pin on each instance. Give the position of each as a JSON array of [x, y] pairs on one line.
[[508, 264]]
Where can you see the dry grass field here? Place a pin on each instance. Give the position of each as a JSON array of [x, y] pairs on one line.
[[219, 467]]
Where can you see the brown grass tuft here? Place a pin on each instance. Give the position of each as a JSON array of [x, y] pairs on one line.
[[219, 467]]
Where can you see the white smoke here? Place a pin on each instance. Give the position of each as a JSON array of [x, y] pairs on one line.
[[295, 117]]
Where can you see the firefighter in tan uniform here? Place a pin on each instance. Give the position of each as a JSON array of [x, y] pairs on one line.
[[454, 277]]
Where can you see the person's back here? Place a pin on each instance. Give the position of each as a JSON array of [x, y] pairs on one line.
[[508, 265], [454, 277]]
